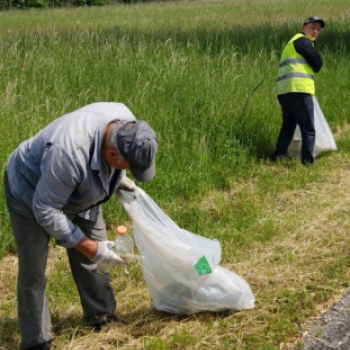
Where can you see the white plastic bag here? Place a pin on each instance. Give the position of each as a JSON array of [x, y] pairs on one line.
[[180, 268], [324, 140]]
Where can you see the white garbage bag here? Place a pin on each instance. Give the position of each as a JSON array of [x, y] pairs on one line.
[[324, 140], [181, 269]]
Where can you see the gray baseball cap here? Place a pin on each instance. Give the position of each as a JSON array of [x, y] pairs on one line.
[[138, 144], [315, 19]]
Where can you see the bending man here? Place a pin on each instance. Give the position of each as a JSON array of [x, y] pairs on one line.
[[54, 185]]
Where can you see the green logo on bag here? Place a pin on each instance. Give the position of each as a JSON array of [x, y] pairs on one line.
[[202, 266]]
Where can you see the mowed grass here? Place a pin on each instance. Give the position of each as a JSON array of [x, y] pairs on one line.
[[203, 75]]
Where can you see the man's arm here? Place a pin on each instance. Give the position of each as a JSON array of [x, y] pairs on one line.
[[60, 174], [87, 247], [305, 48]]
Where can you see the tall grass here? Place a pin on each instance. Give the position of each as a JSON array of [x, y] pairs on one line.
[[187, 69], [203, 75]]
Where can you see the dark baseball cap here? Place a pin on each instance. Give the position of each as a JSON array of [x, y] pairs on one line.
[[138, 144], [315, 19]]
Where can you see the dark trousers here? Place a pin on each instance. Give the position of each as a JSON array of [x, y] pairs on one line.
[[96, 294], [297, 109]]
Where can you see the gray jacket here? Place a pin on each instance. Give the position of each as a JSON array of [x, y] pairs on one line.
[[60, 172]]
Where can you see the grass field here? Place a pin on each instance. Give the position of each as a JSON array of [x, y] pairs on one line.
[[202, 73]]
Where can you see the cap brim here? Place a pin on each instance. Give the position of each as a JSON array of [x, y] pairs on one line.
[[143, 175], [316, 21]]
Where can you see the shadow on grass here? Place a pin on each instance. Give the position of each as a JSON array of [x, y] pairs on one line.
[[149, 321], [265, 37], [9, 334], [139, 323]]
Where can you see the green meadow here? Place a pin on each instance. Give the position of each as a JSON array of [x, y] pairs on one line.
[[203, 74]]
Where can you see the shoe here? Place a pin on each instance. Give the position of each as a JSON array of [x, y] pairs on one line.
[[277, 156], [44, 346], [307, 162], [99, 323]]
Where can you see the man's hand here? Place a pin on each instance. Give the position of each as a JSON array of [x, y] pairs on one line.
[[105, 255], [126, 184], [101, 253]]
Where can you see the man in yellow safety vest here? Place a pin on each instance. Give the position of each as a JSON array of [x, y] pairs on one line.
[[295, 89]]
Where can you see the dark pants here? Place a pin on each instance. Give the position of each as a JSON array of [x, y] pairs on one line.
[[96, 295], [297, 109]]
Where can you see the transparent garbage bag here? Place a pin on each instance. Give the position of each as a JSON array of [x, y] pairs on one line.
[[324, 140], [181, 269]]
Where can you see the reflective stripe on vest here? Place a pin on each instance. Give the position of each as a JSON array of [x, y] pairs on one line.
[[294, 73], [292, 60]]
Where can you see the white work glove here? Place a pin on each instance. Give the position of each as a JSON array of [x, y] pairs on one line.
[[106, 256], [126, 184]]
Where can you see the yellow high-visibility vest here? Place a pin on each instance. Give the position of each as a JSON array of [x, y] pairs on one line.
[[294, 73]]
